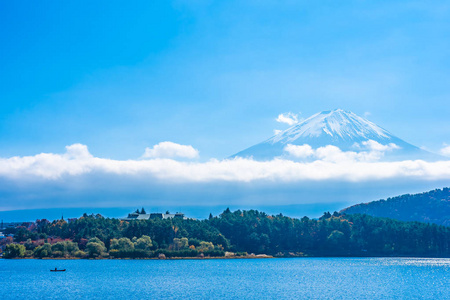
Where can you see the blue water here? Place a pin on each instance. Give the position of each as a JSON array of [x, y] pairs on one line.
[[296, 278]]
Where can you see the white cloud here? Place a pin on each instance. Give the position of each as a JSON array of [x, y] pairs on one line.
[[170, 150], [78, 151], [329, 163], [303, 151], [277, 131], [375, 146], [288, 118], [334, 154], [445, 150], [374, 151]]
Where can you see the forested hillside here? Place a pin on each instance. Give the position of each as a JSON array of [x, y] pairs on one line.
[[235, 232], [429, 207]]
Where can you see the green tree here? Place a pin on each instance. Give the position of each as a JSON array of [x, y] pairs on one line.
[[65, 248], [14, 250], [336, 241], [95, 247], [143, 243], [179, 244], [205, 246], [43, 251], [122, 244]]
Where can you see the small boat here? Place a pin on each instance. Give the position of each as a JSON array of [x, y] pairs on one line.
[[56, 270]]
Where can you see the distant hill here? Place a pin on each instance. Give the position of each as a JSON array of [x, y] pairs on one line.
[[430, 207]]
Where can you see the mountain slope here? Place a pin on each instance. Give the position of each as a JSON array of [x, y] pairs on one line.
[[430, 207], [340, 128]]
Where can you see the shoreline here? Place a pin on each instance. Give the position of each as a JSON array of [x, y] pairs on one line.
[[142, 258], [219, 257]]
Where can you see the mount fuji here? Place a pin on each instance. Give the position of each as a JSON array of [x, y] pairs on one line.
[[342, 129]]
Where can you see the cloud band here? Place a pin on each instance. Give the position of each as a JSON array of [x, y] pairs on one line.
[[77, 161]]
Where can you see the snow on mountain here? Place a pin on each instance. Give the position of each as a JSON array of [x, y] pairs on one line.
[[339, 128]]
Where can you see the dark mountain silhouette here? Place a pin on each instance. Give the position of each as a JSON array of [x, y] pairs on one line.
[[429, 207]]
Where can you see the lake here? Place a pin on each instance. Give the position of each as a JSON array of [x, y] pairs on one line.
[[289, 278]]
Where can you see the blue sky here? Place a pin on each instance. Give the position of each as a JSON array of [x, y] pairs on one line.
[[120, 77]]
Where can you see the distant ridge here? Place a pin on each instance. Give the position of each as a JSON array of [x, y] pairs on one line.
[[340, 128], [429, 207]]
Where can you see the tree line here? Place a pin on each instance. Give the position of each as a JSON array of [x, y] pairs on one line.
[[238, 232]]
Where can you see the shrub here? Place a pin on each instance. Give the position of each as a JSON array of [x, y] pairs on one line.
[[135, 253], [80, 253], [214, 253], [57, 253]]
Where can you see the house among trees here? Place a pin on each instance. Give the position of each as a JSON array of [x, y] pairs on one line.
[[142, 215]]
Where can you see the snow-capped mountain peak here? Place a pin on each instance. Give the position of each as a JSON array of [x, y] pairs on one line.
[[340, 128], [338, 124]]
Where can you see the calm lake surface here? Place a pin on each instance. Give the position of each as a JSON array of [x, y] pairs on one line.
[[294, 278]]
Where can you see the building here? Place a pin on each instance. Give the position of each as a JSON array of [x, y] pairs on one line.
[[143, 216]]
